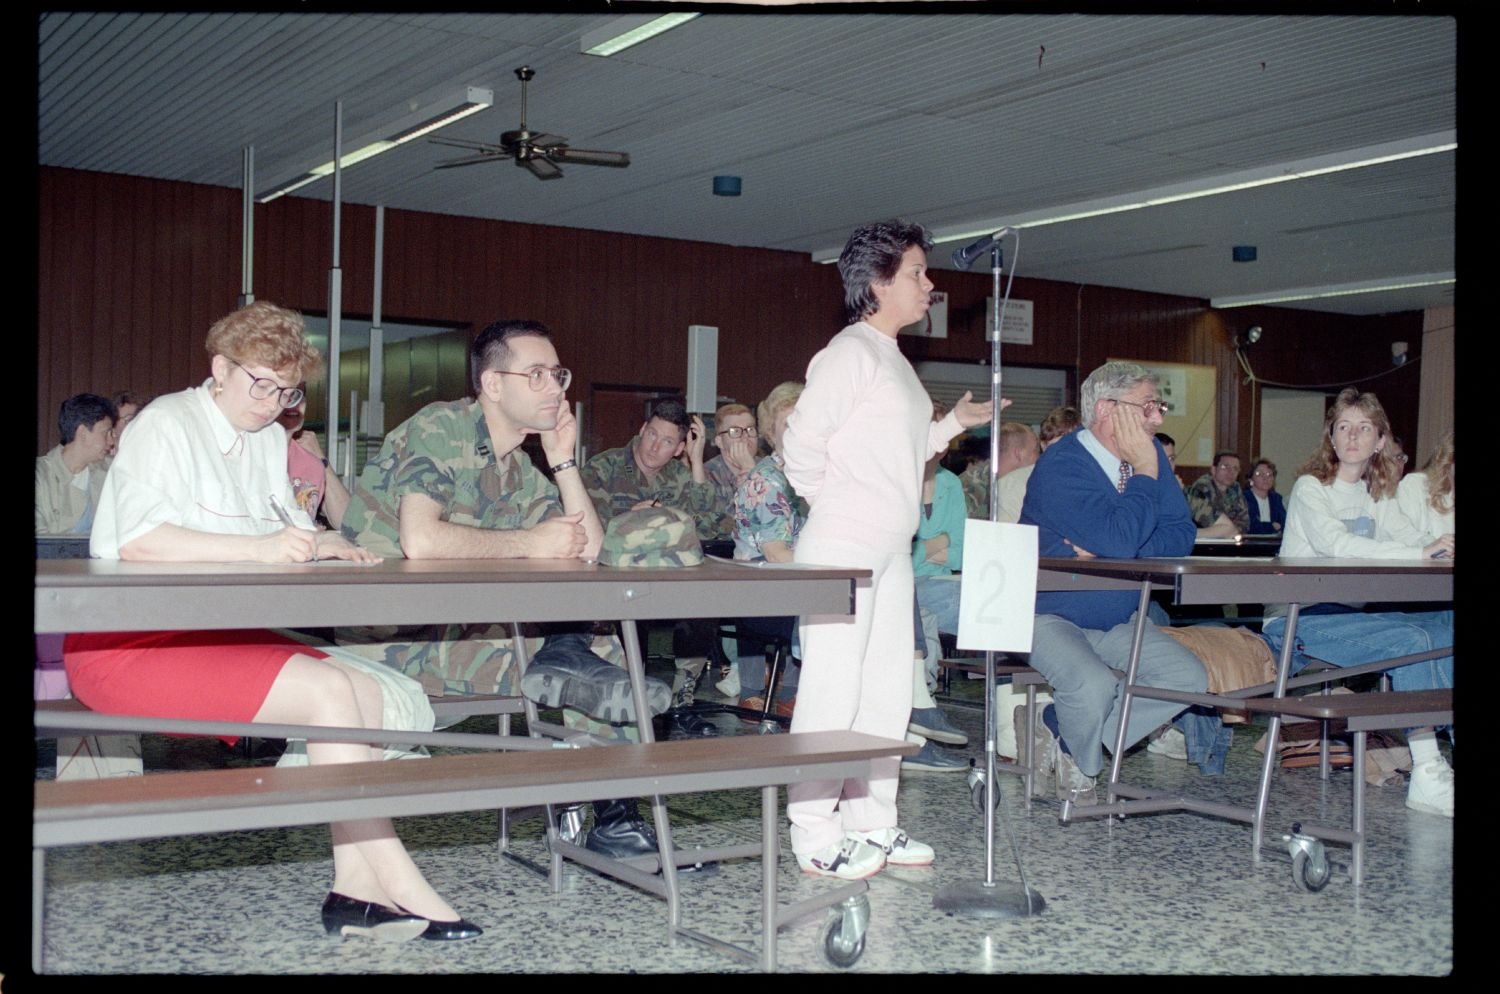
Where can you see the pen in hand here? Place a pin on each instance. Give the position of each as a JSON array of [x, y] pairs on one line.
[[286, 519]]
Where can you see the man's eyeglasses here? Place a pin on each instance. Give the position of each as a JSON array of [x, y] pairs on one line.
[[1148, 407], [737, 433], [537, 376], [262, 388]]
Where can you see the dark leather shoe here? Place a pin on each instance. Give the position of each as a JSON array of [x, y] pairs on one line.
[[347, 916], [619, 831], [450, 931], [691, 725]]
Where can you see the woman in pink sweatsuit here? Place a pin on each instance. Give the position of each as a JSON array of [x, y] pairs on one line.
[[855, 448]]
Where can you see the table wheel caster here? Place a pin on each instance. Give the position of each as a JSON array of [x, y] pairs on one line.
[[844, 935], [1310, 867]]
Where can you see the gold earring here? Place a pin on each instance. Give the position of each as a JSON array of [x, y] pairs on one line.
[[218, 388]]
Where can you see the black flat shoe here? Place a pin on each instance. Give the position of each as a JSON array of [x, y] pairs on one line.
[[449, 931], [348, 916]]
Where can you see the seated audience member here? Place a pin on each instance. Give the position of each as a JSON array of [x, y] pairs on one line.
[[972, 465], [193, 486], [1344, 506], [739, 451], [1058, 422], [1019, 451], [127, 405], [1104, 490], [767, 517], [1217, 496], [451, 482], [1267, 511], [647, 473], [1427, 498], [70, 476], [317, 487], [1169, 446]]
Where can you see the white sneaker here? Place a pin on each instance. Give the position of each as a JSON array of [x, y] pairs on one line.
[[730, 685], [1072, 783], [899, 848], [848, 859], [1431, 789], [1168, 741]]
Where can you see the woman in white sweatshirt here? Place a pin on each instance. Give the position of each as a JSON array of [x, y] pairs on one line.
[[855, 448], [1344, 506]]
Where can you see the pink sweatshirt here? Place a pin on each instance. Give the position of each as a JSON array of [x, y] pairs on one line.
[[857, 441]]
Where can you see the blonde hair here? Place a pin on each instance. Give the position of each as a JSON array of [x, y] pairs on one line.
[[782, 396], [727, 409], [1383, 472], [1439, 470], [263, 334]]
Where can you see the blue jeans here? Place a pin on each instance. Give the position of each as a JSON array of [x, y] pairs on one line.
[[1348, 637], [937, 597]]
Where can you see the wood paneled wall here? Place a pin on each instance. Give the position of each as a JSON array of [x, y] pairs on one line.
[[133, 271]]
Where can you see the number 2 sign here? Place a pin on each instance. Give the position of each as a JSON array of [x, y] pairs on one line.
[[997, 602]]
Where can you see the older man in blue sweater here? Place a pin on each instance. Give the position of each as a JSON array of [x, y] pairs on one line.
[[1105, 490]]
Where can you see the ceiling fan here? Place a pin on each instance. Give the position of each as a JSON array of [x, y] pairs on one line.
[[539, 153]]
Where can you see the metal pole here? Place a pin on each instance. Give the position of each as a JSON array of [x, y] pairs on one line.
[[335, 290], [247, 228]]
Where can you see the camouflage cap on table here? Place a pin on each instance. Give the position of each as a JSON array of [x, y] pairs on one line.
[[652, 536]]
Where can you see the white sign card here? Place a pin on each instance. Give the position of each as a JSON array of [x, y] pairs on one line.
[[997, 602]]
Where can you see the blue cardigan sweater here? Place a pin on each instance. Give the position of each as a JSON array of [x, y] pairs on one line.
[[1278, 514], [1069, 497]]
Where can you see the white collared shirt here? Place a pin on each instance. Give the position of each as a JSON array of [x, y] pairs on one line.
[[186, 465]]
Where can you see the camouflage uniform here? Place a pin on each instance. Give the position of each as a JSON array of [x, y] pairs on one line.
[[1207, 503], [444, 452], [615, 484]]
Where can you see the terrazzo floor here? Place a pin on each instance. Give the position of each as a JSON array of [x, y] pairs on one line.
[[1158, 894]]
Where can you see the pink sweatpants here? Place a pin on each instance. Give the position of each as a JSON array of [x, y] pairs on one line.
[[856, 675]]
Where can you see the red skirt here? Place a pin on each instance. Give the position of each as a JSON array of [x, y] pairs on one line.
[[202, 676]]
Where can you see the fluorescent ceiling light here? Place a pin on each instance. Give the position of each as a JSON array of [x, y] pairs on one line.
[[409, 128], [1208, 186], [1334, 290], [620, 34]]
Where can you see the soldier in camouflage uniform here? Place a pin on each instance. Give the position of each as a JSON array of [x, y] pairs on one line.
[[1216, 498], [647, 471], [451, 482]]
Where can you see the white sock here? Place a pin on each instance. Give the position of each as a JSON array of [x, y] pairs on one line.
[[1424, 748], [921, 697]]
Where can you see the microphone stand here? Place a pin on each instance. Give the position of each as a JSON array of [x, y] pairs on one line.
[[987, 898]]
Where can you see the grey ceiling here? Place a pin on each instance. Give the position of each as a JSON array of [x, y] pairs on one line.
[[831, 119]]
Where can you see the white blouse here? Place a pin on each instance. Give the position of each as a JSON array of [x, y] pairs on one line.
[[182, 463]]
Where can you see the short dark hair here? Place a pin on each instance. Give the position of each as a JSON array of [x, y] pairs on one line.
[[1166, 439], [491, 347], [672, 411], [1226, 454], [123, 397], [873, 255], [83, 410]]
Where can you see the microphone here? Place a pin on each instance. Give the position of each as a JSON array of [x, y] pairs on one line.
[[963, 257]]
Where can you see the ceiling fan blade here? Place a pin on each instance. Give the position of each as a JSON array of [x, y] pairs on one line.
[[540, 168], [470, 160], [466, 143], [547, 141], [589, 157]]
